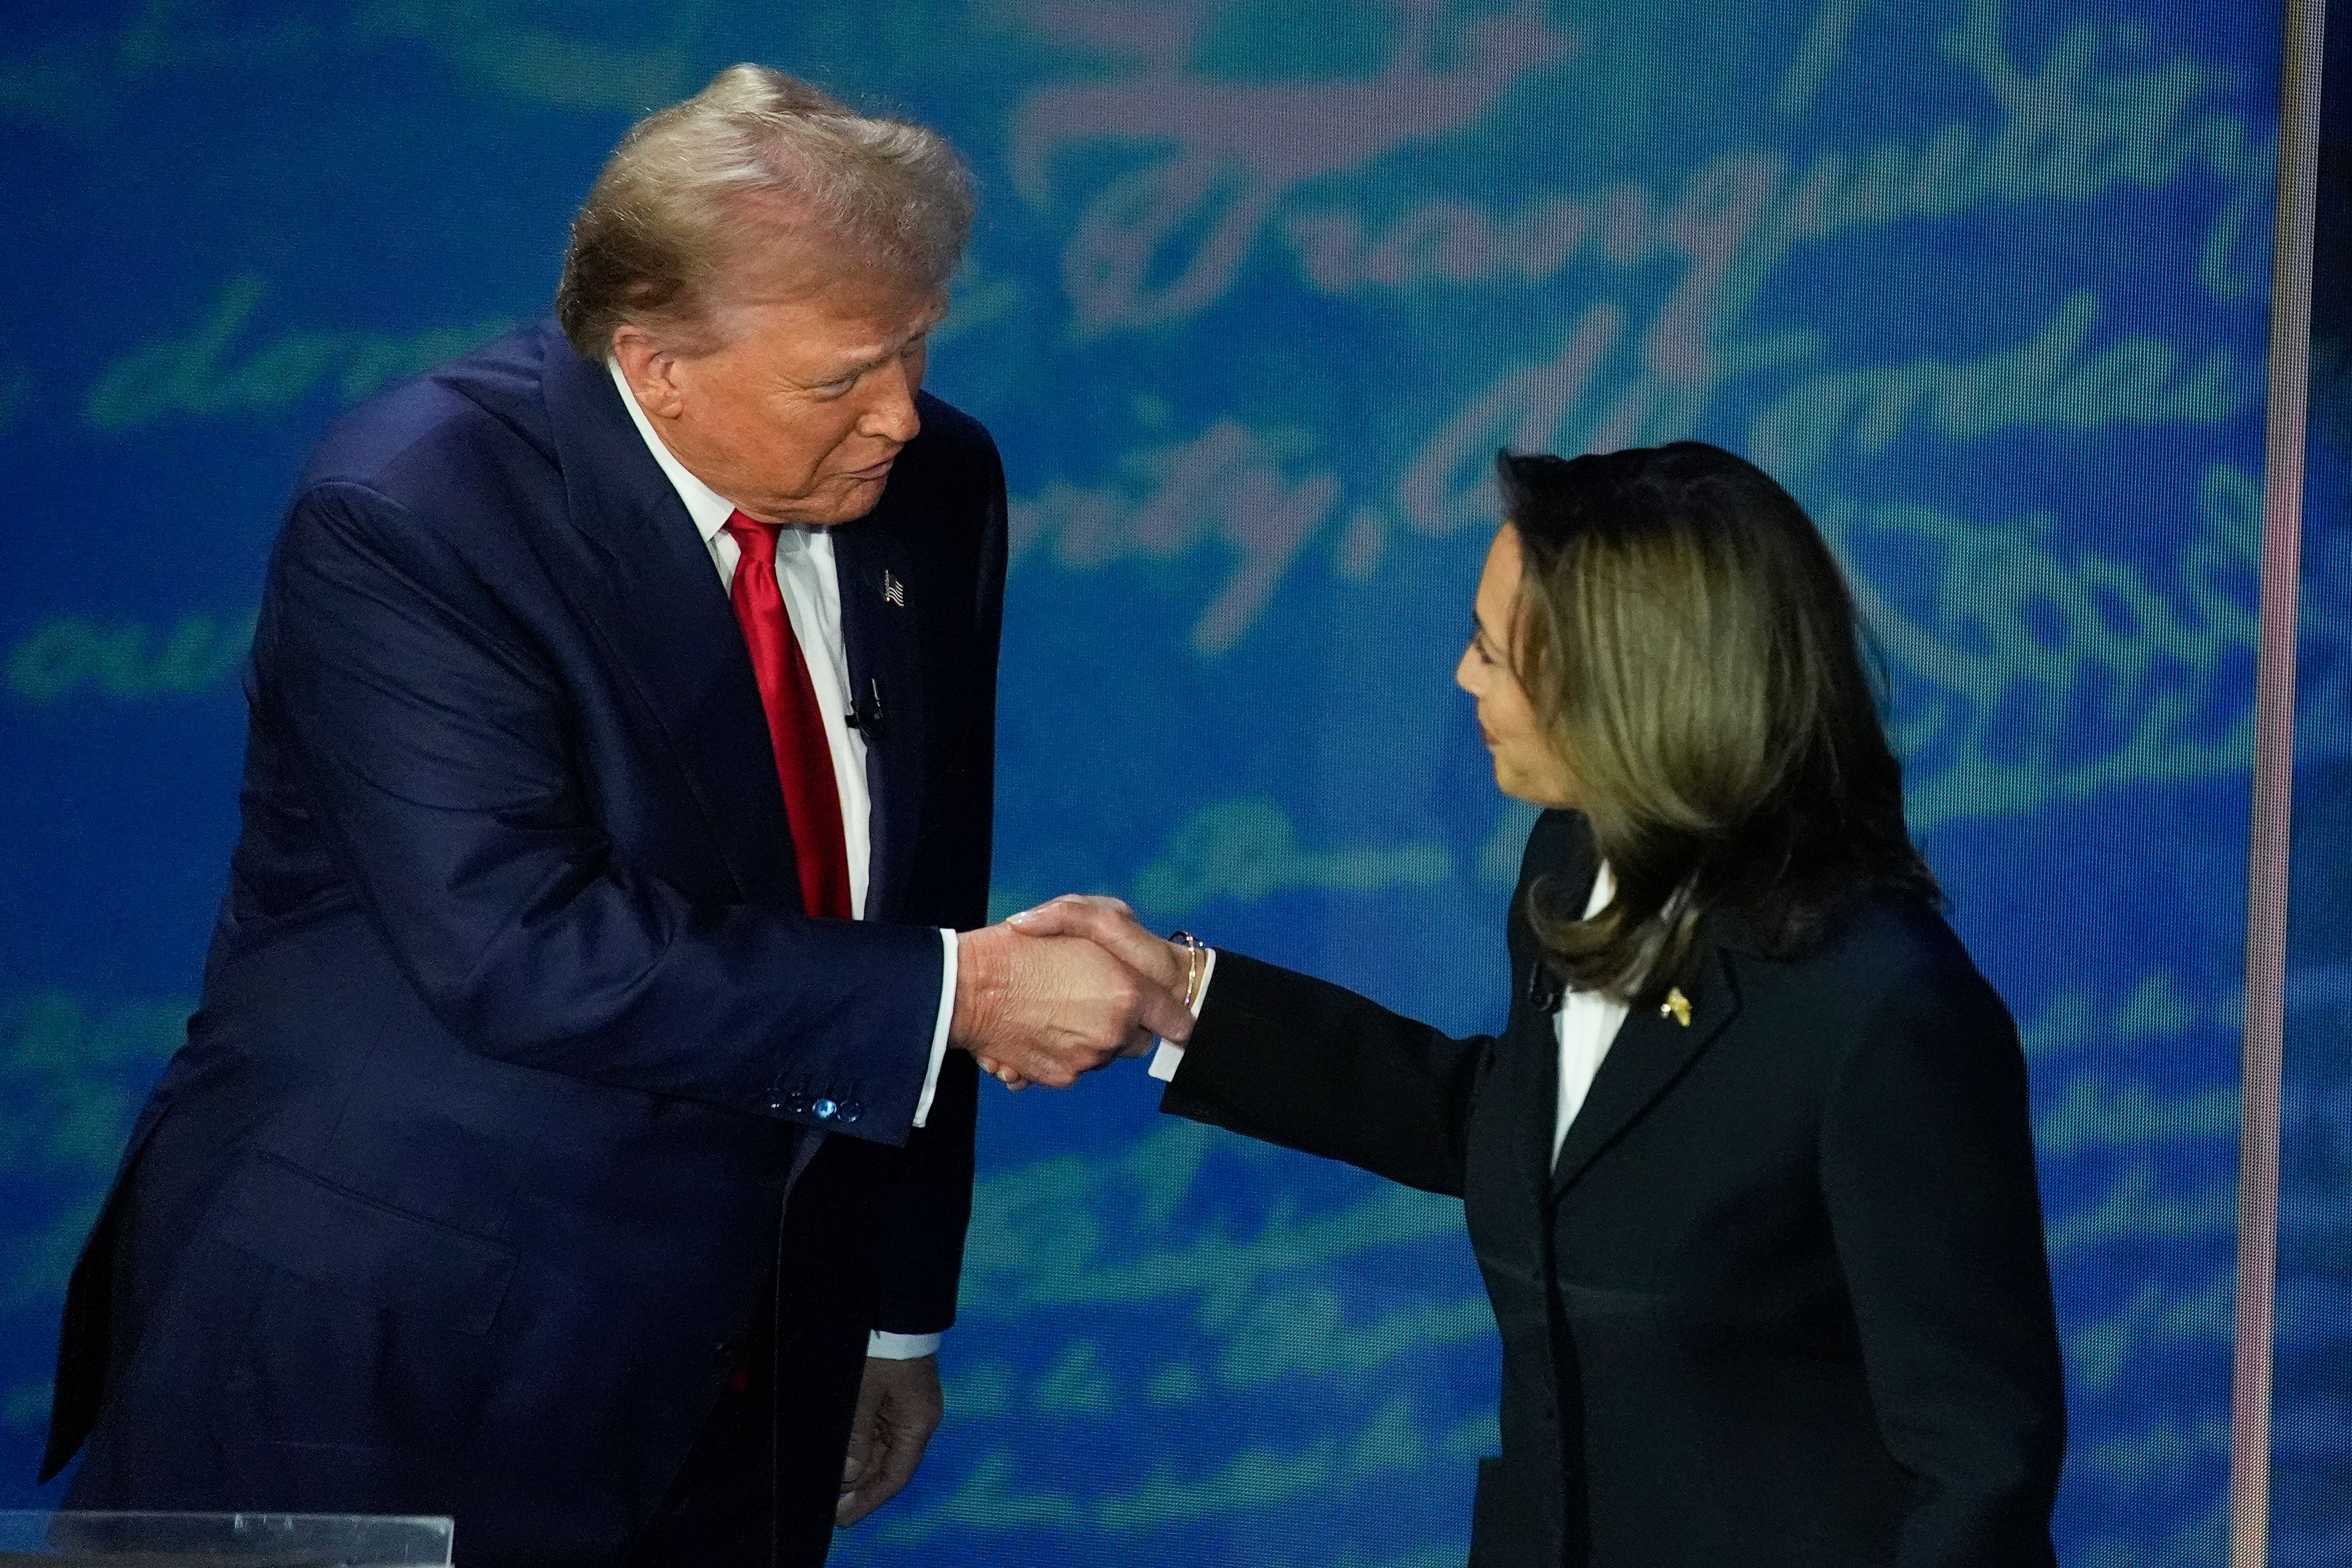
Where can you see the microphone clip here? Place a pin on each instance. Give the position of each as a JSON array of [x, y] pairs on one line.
[[864, 714]]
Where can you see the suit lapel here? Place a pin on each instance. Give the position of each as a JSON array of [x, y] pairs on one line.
[[1535, 1047], [1651, 1051], [652, 593], [1532, 1040], [880, 602]]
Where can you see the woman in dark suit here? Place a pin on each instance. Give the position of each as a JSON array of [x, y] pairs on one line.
[[1748, 1172]]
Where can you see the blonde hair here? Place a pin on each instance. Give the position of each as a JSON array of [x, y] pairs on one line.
[[722, 190]]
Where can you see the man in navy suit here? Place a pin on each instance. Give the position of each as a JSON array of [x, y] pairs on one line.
[[571, 1137]]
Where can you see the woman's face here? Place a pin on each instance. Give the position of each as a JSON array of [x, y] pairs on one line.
[[1525, 766]]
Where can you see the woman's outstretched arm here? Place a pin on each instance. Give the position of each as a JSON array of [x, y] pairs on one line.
[[1290, 1060], [1299, 1061]]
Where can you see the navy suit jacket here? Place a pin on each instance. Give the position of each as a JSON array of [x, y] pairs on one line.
[[513, 1034]]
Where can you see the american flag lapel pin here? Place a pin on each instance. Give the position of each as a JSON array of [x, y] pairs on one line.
[[893, 591]]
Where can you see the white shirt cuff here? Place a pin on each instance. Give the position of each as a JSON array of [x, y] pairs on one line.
[[1168, 1057], [938, 1049], [901, 1347]]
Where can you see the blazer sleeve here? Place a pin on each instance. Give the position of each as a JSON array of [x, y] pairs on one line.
[[432, 733], [1290, 1060], [1926, 1161], [1286, 1058], [926, 1203]]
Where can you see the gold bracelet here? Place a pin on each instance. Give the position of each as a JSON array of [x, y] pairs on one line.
[[1196, 963]]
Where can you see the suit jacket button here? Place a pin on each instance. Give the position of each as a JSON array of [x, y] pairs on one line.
[[824, 1110], [850, 1110]]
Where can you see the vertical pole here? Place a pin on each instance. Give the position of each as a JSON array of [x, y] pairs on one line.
[[2300, 68]]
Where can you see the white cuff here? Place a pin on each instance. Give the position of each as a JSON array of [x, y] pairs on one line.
[[939, 1054], [880, 1346], [1168, 1057]]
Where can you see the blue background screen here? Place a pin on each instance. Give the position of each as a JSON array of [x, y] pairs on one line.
[[1258, 287]]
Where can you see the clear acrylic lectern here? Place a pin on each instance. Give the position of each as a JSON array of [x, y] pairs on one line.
[[222, 1540]]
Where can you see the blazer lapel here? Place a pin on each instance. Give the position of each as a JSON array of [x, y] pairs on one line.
[[1532, 1044], [1533, 1040], [880, 602], [652, 593], [1651, 1051]]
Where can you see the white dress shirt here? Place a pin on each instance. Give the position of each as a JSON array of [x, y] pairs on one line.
[[811, 585], [1168, 1055], [1584, 1027]]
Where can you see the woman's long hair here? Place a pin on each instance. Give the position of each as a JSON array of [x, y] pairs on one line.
[[1692, 653]]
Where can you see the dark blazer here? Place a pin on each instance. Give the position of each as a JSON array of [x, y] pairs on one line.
[[513, 1034], [1781, 1302]]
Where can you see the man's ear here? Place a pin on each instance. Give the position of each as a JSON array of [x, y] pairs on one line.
[[650, 369]]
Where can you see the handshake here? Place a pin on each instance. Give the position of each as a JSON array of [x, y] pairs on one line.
[[1055, 991]]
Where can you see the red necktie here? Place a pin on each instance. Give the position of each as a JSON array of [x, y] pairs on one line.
[[795, 725]]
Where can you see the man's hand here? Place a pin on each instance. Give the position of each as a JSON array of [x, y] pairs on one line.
[[1110, 925], [1048, 1010], [899, 1408]]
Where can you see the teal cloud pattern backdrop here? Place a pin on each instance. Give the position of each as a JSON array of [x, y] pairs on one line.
[[1258, 287]]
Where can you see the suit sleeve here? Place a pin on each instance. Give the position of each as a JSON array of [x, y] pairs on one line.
[[1290, 1060], [434, 735], [927, 1206], [1286, 1058], [1926, 1159]]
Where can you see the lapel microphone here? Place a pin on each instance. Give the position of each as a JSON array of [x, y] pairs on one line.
[[1544, 989], [865, 713]]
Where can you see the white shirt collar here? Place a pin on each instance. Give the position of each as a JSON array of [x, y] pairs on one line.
[[708, 508]]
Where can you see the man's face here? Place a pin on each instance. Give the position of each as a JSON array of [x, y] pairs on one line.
[[798, 417]]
